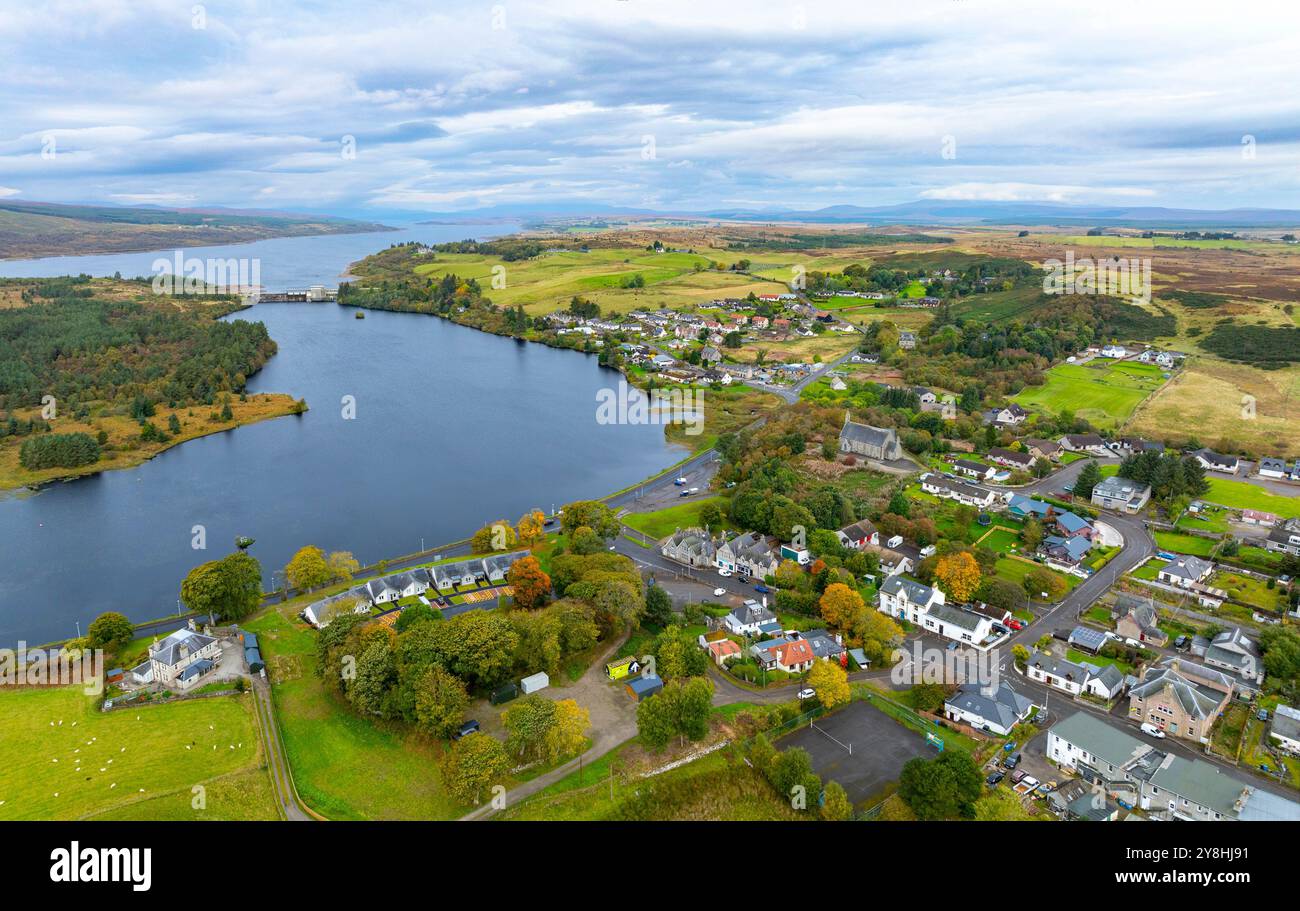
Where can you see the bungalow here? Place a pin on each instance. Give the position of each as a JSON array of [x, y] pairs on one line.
[[749, 619], [1022, 461], [1023, 507], [1071, 526], [1257, 517], [320, 613], [1213, 461], [408, 585], [961, 625], [1042, 449], [1136, 446], [859, 534], [948, 489], [1084, 442], [380, 591], [1068, 552], [1285, 729], [724, 650], [1284, 539], [749, 554], [907, 599], [1114, 351], [1273, 468], [497, 565], [976, 470], [1121, 494], [996, 709], [1136, 618], [826, 646], [1185, 571]]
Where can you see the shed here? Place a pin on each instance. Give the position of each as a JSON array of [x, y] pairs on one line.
[[860, 657], [254, 658], [538, 681], [114, 675], [622, 667], [643, 687], [1089, 640]]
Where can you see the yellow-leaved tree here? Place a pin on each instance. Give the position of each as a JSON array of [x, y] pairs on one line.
[[958, 575], [841, 606], [830, 682]]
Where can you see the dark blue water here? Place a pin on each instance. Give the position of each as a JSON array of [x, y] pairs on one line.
[[453, 428]]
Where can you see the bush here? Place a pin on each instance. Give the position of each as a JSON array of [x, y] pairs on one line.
[[59, 450]]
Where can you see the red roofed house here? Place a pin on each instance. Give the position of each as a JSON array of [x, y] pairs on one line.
[[722, 650], [794, 657]]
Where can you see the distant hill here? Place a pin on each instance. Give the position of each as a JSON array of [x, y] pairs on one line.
[[29, 229]]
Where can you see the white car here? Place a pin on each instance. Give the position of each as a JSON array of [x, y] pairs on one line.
[[807, 693], [724, 573], [1152, 730], [719, 592]]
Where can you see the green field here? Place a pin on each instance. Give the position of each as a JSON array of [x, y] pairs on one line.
[[345, 766], [135, 763], [1103, 392], [1153, 243], [1244, 495], [547, 282], [664, 522], [1192, 545]]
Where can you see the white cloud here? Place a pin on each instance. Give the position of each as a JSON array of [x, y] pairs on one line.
[[1031, 192]]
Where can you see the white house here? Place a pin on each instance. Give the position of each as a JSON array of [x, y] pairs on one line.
[[1114, 351], [907, 599], [1285, 729], [1213, 461], [1121, 494], [750, 619], [1185, 571], [997, 709], [1084, 442], [959, 625], [1273, 468], [969, 494], [1066, 676], [180, 659]]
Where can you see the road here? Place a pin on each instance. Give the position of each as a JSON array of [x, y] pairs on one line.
[[277, 764]]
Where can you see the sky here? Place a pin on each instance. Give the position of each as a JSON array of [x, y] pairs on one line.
[[388, 108]]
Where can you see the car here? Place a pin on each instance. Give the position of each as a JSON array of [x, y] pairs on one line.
[[1017, 775], [807, 693], [1132, 643], [724, 573], [1015, 625], [684, 493], [761, 589], [469, 727], [1182, 643], [994, 778], [1262, 714], [680, 482], [952, 646], [1000, 629], [1011, 761], [1153, 731], [719, 592]]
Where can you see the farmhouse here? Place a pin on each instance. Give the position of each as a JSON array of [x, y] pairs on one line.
[[1213, 461], [870, 442], [997, 709], [1121, 494], [179, 660]]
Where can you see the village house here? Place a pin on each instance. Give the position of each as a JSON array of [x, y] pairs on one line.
[[962, 626], [859, 534], [906, 340], [751, 619], [1136, 446], [1020, 461], [1285, 539], [750, 554], [1023, 507], [1285, 729], [1257, 517], [1009, 416], [1114, 351], [907, 599], [1058, 673], [690, 546], [995, 708], [791, 654], [1179, 705], [320, 613], [977, 470], [1273, 468], [1121, 494], [1136, 618], [1064, 553], [1042, 449], [948, 489], [1213, 461], [869, 442], [1238, 652], [1084, 442], [1185, 571], [723, 651]]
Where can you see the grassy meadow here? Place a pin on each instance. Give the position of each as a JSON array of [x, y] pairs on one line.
[[1104, 392]]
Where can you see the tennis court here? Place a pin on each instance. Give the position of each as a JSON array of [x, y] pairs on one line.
[[880, 748]]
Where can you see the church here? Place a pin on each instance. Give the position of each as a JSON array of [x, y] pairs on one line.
[[869, 442]]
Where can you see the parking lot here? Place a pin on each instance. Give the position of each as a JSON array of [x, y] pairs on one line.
[[881, 747]]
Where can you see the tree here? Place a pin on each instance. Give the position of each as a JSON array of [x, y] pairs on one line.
[[835, 803], [499, 535], [830, 682], [792, 768], [528, 723], [308, 569], [656, 721], [942, 788], [841, 606], [677, 655], [376, 674], [899, 504], [342, 565], [878, 634], [109, 631], [473, 765], [591, 513], [658, 606], [1000, 805], [585, 541], [569, 733], [1040, 581], [711, 516], [531, 527], [1032, 534], [1020, 654], [1088, 478], [228, 589], [958, 575], [929, 697], [416, 613], [440, 702], [531, 585], [694, 706]]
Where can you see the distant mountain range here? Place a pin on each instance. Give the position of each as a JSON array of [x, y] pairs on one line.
[[30, 229]]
